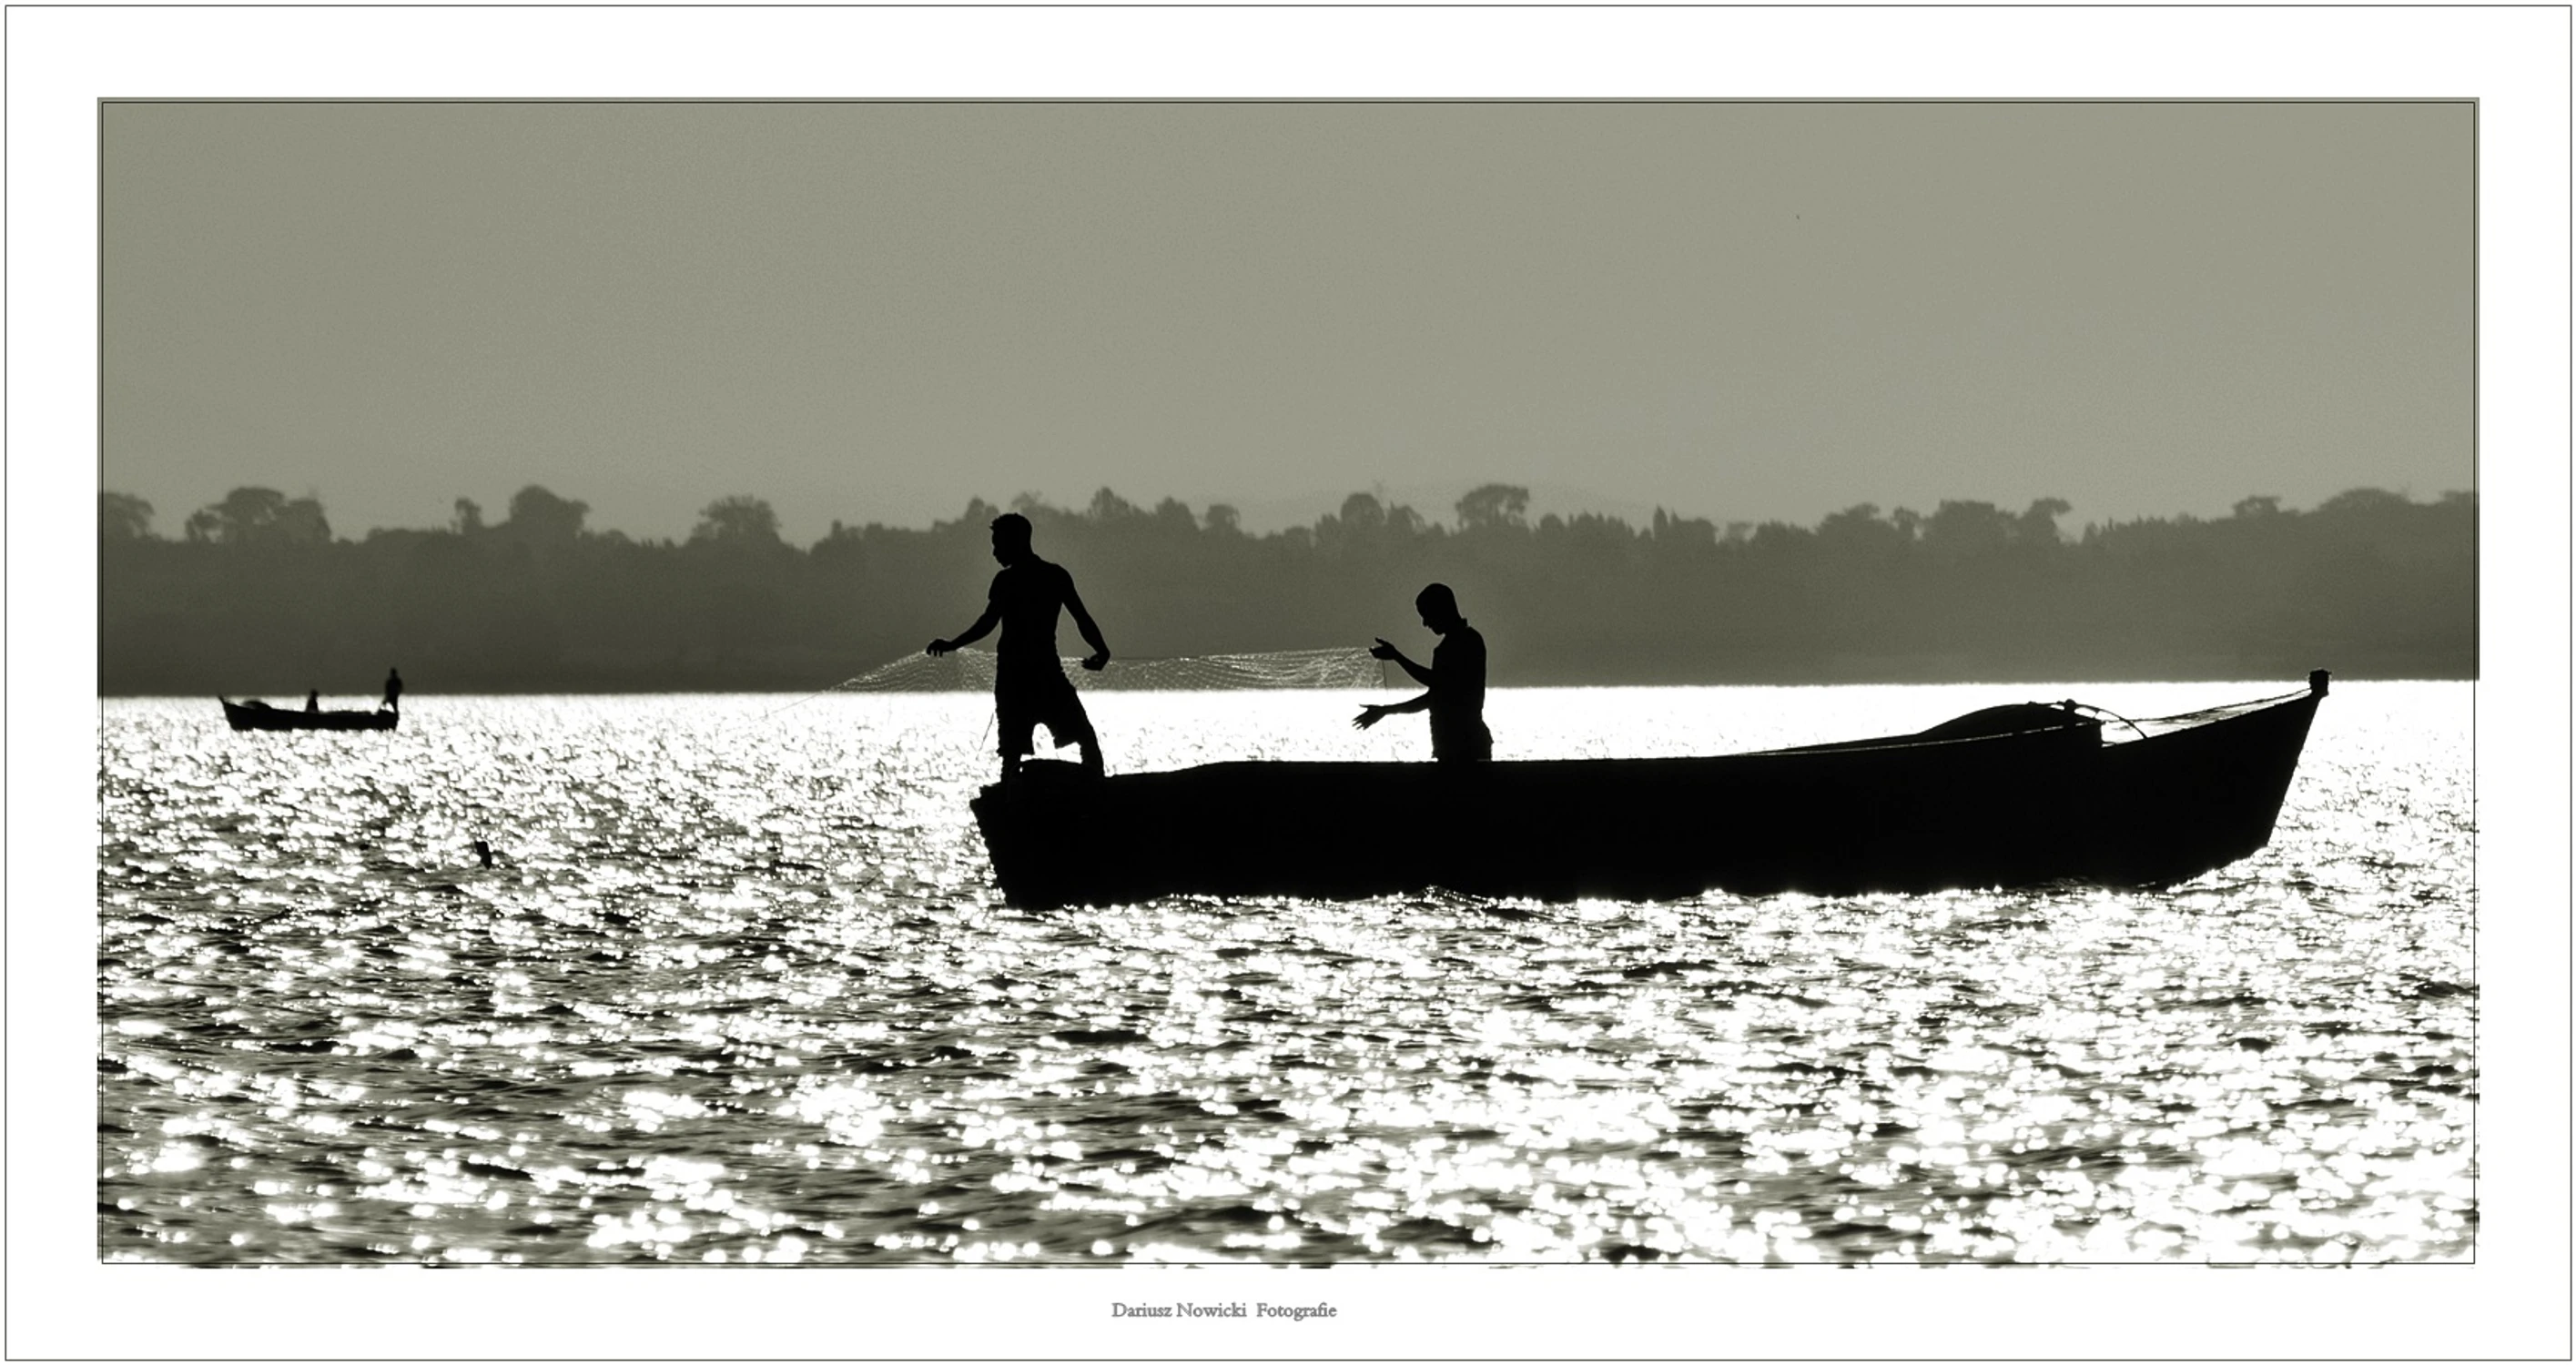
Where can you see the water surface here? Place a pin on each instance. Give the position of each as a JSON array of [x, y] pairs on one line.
[[739, 988]]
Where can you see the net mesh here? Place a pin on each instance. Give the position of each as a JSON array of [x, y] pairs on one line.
[[971, 670]]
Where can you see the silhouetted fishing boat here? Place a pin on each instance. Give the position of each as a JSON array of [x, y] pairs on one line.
[[2009, 796], [259, 715]]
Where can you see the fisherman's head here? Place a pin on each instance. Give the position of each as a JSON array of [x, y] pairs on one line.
[[1439, 608], [1011, 538]]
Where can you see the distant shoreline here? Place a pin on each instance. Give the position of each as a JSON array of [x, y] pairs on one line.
[[260, 599]]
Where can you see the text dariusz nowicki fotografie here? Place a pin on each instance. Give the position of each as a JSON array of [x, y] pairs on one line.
[[1291, 1312]]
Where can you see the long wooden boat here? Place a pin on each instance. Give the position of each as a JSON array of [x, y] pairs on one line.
[[259, 715], [2010, 796]]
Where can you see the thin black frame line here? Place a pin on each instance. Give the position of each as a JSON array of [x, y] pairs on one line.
[[1269, 100]]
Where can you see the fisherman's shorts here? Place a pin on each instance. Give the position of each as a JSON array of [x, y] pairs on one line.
[[1466, 741], [1025, 698]]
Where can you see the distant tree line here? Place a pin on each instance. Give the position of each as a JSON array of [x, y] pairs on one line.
[[256, 595]]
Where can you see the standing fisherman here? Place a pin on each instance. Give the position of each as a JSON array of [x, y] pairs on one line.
[[1454, 683], [1029, 686], [393, 691]]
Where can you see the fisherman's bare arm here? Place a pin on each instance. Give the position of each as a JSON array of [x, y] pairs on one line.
[[983, 626], [1371, 715], [1089, 629], [1383, 650]]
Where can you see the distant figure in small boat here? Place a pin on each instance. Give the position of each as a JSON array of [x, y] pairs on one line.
[[393, 691], [1029, 686], [313, 701], [1456, 679]]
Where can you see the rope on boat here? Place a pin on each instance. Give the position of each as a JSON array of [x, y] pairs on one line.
[[2104, 711], [2227, 709]]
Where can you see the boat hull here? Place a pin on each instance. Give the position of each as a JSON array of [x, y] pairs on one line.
[[1907, 814], [279, 718]]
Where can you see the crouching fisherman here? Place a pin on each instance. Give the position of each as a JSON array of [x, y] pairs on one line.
[[1029, 686]]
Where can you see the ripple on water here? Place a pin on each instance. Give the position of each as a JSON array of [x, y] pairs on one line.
[[738, 989]]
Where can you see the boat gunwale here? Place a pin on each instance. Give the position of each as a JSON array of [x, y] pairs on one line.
[[1891, 744]]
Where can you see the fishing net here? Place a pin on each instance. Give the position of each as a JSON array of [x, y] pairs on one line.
[[971, 670]]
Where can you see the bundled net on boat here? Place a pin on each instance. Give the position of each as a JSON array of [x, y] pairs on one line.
[[971, 670]]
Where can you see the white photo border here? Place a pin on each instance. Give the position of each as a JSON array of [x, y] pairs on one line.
[[2514, 60]]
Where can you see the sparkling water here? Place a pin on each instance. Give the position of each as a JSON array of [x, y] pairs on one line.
[[736, 986]]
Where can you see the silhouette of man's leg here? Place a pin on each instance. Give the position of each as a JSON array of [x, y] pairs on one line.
[[1018, 731], [1078, 727]]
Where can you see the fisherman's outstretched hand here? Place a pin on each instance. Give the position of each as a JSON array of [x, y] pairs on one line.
[[1369, 715], [1383, 650], [1097, 661], [939, 647]]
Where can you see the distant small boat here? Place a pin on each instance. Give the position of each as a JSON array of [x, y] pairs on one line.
[[2021, 795], [259, 715]]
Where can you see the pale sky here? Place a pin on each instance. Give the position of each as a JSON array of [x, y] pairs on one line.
[[873, 312]]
